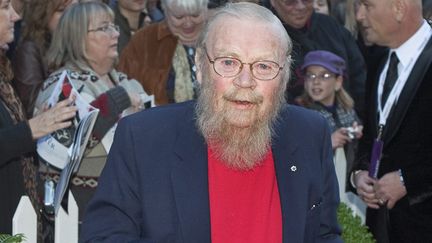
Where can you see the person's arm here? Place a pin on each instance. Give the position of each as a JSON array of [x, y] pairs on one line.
[[389, 189], [418, 181], [360, 181], [110, 104], [29, 74], [412, 181], [113, 215], [15, 141], [339, 138], [329, 228], [19, 139]]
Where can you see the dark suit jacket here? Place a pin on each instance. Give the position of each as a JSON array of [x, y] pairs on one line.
[[154, 187], [407, 146], [15, 141]]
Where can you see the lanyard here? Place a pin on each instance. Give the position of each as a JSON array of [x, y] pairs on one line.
[[399, 85]]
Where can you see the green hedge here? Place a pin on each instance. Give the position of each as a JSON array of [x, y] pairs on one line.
[[18, 238], [353, 231]]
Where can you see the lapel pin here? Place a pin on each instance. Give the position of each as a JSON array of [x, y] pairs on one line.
[[293, 168]]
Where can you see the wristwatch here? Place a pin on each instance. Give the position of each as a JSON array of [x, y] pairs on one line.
[[401, 177]]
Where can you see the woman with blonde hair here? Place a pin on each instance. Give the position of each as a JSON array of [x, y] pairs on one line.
[[84, 45]]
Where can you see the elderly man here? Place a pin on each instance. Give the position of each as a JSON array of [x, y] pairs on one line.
[[400, 197], [312, 31], [238, 165]]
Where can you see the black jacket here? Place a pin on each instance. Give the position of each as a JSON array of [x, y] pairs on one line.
[[407, 141], [15, 141]]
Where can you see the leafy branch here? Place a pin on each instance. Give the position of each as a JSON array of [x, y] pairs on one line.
[[18, 238], [353, 231]]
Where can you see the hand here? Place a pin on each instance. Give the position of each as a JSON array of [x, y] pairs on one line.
[[365, 189], [339, 138], [358, 129], [390, 189], [53, 119], [136, 102]]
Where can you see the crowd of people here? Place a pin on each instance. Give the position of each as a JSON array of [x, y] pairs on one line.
[[265, 92]]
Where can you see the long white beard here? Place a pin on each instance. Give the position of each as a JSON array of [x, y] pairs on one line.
[[238, 147]]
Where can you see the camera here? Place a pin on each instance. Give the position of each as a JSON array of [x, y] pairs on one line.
[[351, 132]]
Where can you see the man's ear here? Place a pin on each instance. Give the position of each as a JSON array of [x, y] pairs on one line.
[[198, 55], [399, 8]]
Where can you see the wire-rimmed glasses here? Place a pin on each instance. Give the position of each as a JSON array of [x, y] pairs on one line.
[[230, 66]]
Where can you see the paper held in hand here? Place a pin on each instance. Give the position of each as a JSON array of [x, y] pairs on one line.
[[65, 148], [68, 145]]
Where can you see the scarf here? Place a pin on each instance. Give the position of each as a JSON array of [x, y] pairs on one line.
[[16, 110], [183, 89]]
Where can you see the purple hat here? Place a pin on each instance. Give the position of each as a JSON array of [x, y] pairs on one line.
[[326, 59]]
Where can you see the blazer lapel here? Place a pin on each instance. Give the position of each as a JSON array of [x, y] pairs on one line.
[[408, 93], [190, 181], [286, 155]]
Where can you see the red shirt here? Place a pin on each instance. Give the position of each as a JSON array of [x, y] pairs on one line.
[[244, 205]]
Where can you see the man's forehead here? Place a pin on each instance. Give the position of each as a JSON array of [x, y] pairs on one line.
[[225, 20], [219, 27], [233, 38], [234, 25], [366, 1]]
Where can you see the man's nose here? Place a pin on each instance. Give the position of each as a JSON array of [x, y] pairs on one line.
[[245, 78], [360, 13], [300, 4]]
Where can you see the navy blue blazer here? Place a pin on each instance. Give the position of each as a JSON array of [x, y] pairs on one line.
[[154, 187]]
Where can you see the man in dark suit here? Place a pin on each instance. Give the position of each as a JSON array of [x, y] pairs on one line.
[[400, 197], [238, 165]]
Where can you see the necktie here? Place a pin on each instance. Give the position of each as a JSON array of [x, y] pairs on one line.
[[391, 77]]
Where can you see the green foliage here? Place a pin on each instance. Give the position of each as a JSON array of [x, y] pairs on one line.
[[18, 238], [353, 231]]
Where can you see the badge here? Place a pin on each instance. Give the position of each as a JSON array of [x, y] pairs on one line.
[[376, 154]]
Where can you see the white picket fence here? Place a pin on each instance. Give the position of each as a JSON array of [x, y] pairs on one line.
[[66, 224]]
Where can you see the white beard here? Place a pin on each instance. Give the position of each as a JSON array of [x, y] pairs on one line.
[[239, 138]]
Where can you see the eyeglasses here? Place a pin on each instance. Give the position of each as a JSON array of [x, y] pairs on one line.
[[311, 77], [230, 66], [294, 2], [108, 29]]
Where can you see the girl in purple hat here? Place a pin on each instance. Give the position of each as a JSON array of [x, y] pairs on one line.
[[323, 91]]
